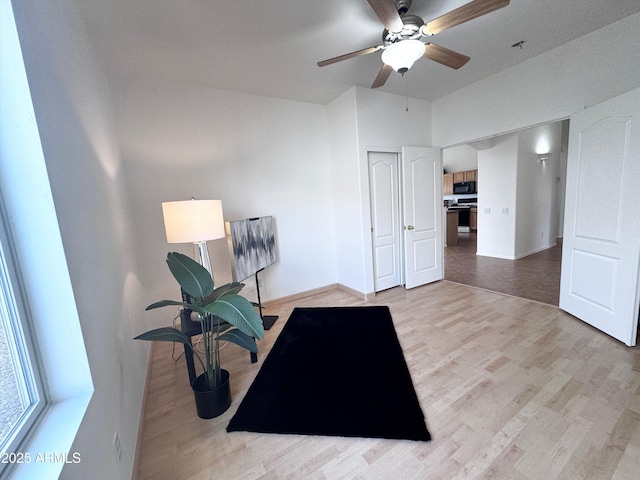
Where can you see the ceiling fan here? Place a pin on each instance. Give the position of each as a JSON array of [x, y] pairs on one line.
[[402, 46]]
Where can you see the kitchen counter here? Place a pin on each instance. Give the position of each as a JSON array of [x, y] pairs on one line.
[[452, 227]]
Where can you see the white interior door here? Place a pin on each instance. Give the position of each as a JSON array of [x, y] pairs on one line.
[[422, 212], [601, 246], [385, 219]]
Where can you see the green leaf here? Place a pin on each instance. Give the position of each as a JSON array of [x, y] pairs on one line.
[[225, 326], [192, 277], [164, 334], [239, 312], [166, 303], [163, 303], [233, 287], [240, 338]]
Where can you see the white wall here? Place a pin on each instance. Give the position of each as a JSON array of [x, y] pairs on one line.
[[260, 156], [304, 164], [343, 139], [384, 122], [497, 175], [551, 86], [537, 199], [546, 88], [519, 204], [72, 106], [562, 174], [381, 122], [459, 159]]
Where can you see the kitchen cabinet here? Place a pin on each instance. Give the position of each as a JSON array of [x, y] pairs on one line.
[[458, 177], [473, 219], [447, 184]]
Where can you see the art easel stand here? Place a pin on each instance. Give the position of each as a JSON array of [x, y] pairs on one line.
[[267, 320]]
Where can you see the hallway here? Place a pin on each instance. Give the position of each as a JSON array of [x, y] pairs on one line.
[[535, 277]]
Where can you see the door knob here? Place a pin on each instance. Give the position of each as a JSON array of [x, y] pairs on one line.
[[409, 227]]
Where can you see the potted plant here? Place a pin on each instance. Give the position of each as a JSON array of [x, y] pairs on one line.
[[224, 316]]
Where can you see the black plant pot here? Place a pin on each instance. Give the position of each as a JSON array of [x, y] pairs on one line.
[[211, 403]]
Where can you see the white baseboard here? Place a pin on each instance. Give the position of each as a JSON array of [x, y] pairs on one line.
[[506, 257], [537, 250], [316, 291], [361, 295], [493, 255]]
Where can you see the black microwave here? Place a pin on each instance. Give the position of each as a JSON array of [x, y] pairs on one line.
[[464, 187]]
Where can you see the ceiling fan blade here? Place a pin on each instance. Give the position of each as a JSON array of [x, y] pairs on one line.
[[382, 77], [462, 14], [347, 56], [388, 14], [444, 56]]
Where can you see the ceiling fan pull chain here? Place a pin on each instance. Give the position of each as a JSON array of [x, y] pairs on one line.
[[406, 99]]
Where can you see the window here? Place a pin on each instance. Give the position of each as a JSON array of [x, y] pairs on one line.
[[21, 393]]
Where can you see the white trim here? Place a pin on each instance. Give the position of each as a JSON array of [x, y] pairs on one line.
[[384, 149], [537, 250]]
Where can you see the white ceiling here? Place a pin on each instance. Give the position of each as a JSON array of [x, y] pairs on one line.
[[271, 47]]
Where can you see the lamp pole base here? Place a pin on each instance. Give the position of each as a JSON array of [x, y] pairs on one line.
[[267, 320]]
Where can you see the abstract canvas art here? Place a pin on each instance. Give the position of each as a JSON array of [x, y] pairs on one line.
[[252, 244]]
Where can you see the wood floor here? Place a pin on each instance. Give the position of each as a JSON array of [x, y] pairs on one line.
[[536, 276], [510, 388]]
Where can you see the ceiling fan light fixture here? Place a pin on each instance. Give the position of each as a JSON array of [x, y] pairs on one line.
[[402, 55]]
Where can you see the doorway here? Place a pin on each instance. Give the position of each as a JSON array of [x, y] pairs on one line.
[[517, 248], [406, 217]]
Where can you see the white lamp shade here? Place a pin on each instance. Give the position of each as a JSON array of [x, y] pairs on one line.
[[193, 221], [402, 55]]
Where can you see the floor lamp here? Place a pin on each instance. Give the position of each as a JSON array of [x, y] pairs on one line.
[[194, 221]]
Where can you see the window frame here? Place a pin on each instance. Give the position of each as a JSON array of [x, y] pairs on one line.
[[19, 333]]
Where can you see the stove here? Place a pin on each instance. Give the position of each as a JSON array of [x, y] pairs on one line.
[[463, 207]]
